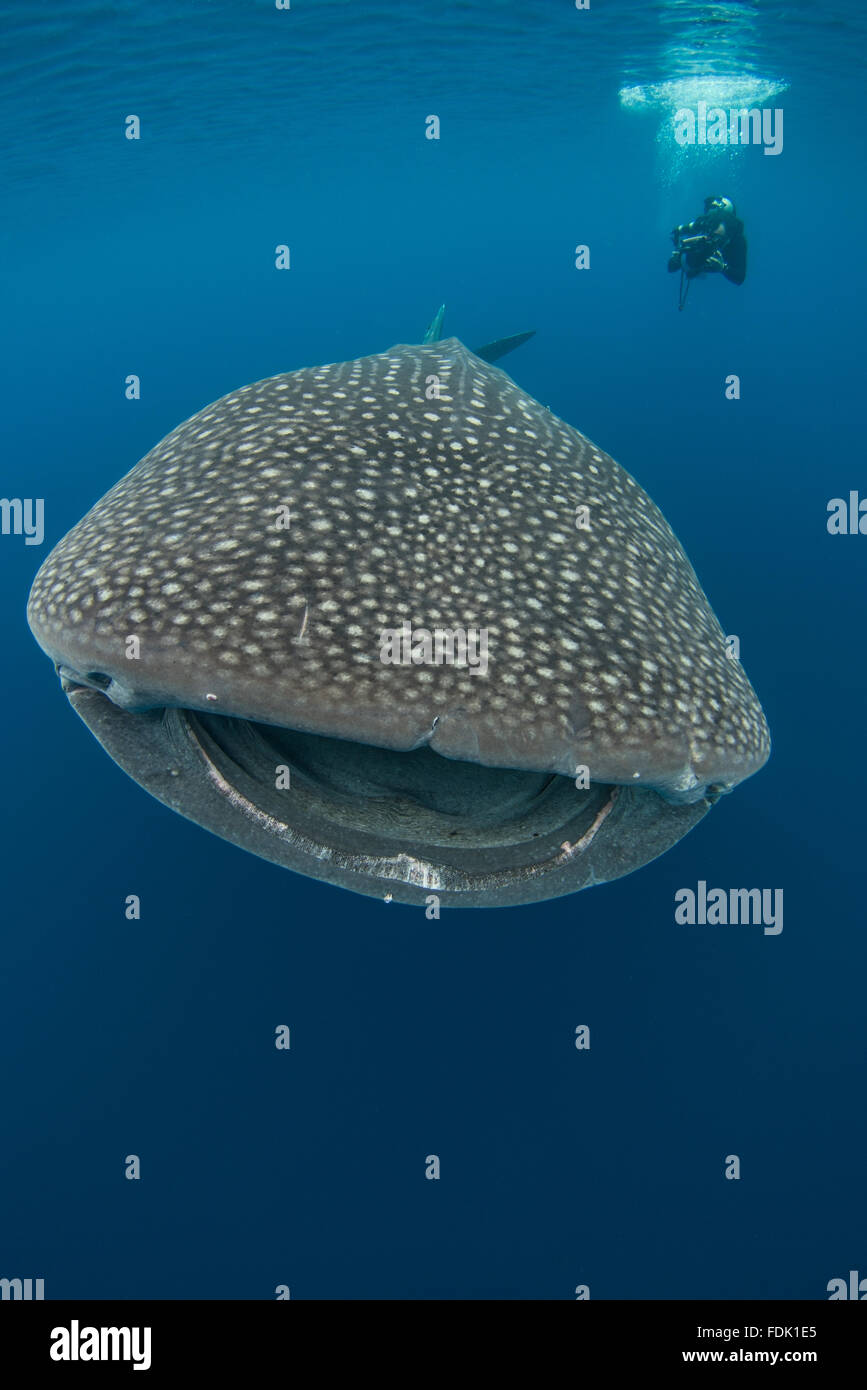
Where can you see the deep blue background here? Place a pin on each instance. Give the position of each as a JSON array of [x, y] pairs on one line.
[[410, 1037]]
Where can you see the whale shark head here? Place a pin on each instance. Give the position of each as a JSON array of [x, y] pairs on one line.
[[394, 625]]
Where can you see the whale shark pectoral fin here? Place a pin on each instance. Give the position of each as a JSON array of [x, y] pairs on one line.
[[489, 352], [435, 328], [492, 352]]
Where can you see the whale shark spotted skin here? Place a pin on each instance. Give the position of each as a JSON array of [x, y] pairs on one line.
[[218, 615]]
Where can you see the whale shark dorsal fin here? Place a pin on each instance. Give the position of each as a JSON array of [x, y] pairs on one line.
[[435, 328]]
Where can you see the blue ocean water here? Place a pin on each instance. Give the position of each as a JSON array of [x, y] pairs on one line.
[[602, 1167]]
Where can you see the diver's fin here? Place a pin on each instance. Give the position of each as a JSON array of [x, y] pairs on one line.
[[492, 352], [435, 330]]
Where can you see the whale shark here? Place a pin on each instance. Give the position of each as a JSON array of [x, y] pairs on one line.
[[268, 622]]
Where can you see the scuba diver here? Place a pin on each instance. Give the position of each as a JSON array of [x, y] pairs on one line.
[[713, 242]]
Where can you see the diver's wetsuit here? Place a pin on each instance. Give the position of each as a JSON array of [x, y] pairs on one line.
[[722, 247]]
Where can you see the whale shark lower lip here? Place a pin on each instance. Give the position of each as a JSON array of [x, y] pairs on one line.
[[219, 620]]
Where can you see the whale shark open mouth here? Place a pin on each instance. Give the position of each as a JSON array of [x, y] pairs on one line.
[[388, 824]]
